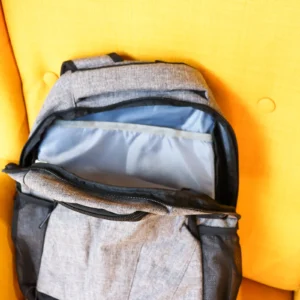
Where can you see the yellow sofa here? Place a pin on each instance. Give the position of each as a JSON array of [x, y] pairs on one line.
[[249, 52]]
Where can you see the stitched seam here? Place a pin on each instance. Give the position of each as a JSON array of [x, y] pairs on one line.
[[137, 262], [185, 270]]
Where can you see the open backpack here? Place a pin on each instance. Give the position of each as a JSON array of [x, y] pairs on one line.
[[127, 188]]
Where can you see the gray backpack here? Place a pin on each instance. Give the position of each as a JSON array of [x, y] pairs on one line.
[[127, 187]]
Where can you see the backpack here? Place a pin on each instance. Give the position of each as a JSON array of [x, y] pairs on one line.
[[127, 188]]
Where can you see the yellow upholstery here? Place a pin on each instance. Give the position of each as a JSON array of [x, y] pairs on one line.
[[13, 134], [251, 290], [248, 50]]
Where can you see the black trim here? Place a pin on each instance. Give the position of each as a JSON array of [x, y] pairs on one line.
[[16, 208], [208, 230], [226, 164], [225, 143], [115, 57], [68, 66], [133, 64], [221, 260], [28, 239], [221, 264], [42, 296], [162, 197], [104, 214], [192, 226]]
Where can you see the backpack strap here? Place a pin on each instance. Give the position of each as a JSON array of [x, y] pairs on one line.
[[90, 63]]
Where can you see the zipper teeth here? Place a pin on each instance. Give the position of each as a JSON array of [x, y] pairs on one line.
[[108, 194], [133, 64], [120, 104], [130, 217]]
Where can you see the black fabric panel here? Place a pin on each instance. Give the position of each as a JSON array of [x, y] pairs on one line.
[[226, 164], [68, 66], [115, 57], [208, 230], [41, 296], [28, 238], [221, 262]]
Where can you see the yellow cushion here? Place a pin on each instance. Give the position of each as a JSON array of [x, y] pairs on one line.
[[251, 290], [13, 133], [249, 53]]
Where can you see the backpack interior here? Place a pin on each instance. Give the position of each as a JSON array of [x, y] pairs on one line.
[[156, 144]]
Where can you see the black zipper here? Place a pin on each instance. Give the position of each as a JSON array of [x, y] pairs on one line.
[[100, 193], [132, 64], [82, 111], [122, 196], [133, 217], [29, 152], [136, 216]]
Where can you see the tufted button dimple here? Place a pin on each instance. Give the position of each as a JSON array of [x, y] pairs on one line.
[[50, 78], [266, 105]]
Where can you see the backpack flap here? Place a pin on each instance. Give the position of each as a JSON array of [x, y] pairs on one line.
[[149, 221]]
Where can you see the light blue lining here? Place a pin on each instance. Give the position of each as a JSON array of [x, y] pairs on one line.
[[184, 118], [170, 157]]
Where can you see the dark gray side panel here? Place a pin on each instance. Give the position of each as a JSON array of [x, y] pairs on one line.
[[41, 296], [221, 261], [29, 213]]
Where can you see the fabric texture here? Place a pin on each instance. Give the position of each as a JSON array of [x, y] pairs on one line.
[[28, 236], [135, 261], [47, 185], [91, 149], [142, 243], [85, 256], [239, 79], [150, 77]]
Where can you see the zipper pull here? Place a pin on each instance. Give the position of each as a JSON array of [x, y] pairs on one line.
[[48, 215]]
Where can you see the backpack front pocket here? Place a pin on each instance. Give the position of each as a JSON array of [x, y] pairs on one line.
[[87, 258]]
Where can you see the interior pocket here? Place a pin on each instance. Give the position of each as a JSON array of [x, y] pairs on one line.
[[28, 236], [182, 118], [170, 157]]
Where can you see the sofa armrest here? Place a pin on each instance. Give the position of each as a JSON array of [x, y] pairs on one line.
[[13, 134]]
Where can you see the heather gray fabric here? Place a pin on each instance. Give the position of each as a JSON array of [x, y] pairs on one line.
[[112, 98], [151, 78], [86, 258], [90, 149], [145, 77], [147, 230], [93, 62], [47, 185]]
